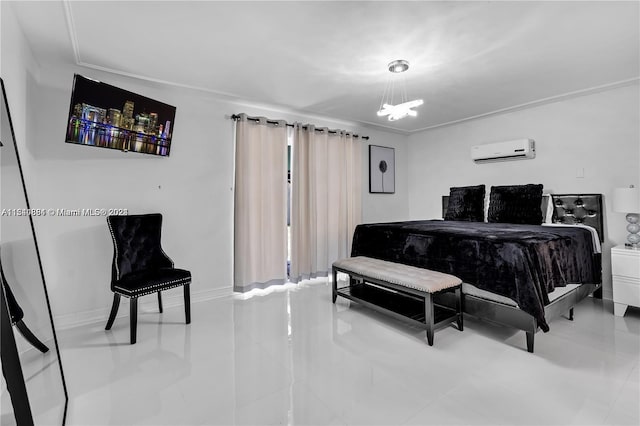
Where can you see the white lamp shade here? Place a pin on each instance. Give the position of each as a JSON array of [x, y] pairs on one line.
[[626, 200]]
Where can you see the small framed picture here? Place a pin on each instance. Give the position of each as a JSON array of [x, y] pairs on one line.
[[382, 170]]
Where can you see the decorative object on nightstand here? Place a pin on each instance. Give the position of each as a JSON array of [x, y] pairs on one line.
[[627, 200], [625, 266]]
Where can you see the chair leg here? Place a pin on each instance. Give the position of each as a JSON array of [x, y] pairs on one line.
[[187, 304], [133, 313], [160, 301], [30, 337], [114, 311]]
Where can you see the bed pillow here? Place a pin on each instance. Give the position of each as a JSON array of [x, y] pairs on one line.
[[466, 203], [515, 204]]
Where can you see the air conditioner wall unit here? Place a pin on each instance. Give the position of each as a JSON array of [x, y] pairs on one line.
[[517, 149]]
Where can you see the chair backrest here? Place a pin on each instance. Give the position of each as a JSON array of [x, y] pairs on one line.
[[136, 244]]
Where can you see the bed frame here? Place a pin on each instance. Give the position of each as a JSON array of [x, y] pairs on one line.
[[569, 209]]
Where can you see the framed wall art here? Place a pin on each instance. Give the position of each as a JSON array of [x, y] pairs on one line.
[[382, 170]]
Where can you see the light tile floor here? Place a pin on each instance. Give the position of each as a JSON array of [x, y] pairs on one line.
[[292, 357]]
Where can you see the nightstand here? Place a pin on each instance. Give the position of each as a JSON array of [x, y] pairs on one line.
[[625, 267]]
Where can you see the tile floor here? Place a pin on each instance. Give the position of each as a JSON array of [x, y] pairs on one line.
[[292, 357]]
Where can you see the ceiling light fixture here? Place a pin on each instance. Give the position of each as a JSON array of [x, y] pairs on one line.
[[403, 109], [399, 65]]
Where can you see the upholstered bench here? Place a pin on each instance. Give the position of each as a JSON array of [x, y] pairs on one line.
[[402, 291]]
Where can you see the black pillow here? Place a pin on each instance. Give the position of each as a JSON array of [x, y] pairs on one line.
[[516, 204], [466, 203]]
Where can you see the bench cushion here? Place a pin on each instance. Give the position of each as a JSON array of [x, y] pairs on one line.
[[398, 273]]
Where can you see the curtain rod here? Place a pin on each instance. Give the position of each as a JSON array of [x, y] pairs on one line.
[[235, 117]]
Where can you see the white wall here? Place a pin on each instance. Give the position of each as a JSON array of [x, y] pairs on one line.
[[192, 188], [18, 69], [597, 133], [386, 207]]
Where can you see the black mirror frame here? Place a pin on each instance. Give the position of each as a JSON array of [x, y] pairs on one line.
[[22, 411]]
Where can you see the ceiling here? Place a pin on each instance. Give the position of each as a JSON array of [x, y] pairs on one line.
[[468, 59]]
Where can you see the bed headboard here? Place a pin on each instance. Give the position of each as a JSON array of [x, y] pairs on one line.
[[584, 209]]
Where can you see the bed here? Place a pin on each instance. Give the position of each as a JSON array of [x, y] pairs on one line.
[[518, 275]]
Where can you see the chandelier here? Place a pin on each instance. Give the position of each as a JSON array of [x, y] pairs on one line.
[[402, 109]]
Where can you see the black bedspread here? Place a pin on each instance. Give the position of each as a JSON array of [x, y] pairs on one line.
[[521, 262]]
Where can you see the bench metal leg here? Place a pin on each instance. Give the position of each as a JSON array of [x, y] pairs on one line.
[[334, 286], [571, 314], [459, 319], [428, 317]]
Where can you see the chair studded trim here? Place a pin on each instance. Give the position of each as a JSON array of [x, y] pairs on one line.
[[154, 288]]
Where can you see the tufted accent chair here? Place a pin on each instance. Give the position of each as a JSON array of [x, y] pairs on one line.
[[140, 266], [16, 314]]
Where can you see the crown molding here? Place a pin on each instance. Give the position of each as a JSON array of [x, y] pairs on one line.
[[538, 102], [71, 29]]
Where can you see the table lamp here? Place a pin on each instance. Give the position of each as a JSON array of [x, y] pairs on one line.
[[627, 200]]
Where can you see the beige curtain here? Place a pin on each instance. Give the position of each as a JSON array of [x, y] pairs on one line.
[[260, 216], [326, 199]]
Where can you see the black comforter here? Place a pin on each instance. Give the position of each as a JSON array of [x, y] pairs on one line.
[[522, 262]]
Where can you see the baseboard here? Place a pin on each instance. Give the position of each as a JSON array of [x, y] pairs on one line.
[[170, 299]]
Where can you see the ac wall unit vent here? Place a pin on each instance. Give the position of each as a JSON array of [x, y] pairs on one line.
[[518, 149]]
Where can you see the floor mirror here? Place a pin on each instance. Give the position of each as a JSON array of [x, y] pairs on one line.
[[33, 385]]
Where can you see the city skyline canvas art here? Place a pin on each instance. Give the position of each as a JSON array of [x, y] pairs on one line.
[[106, 116]]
